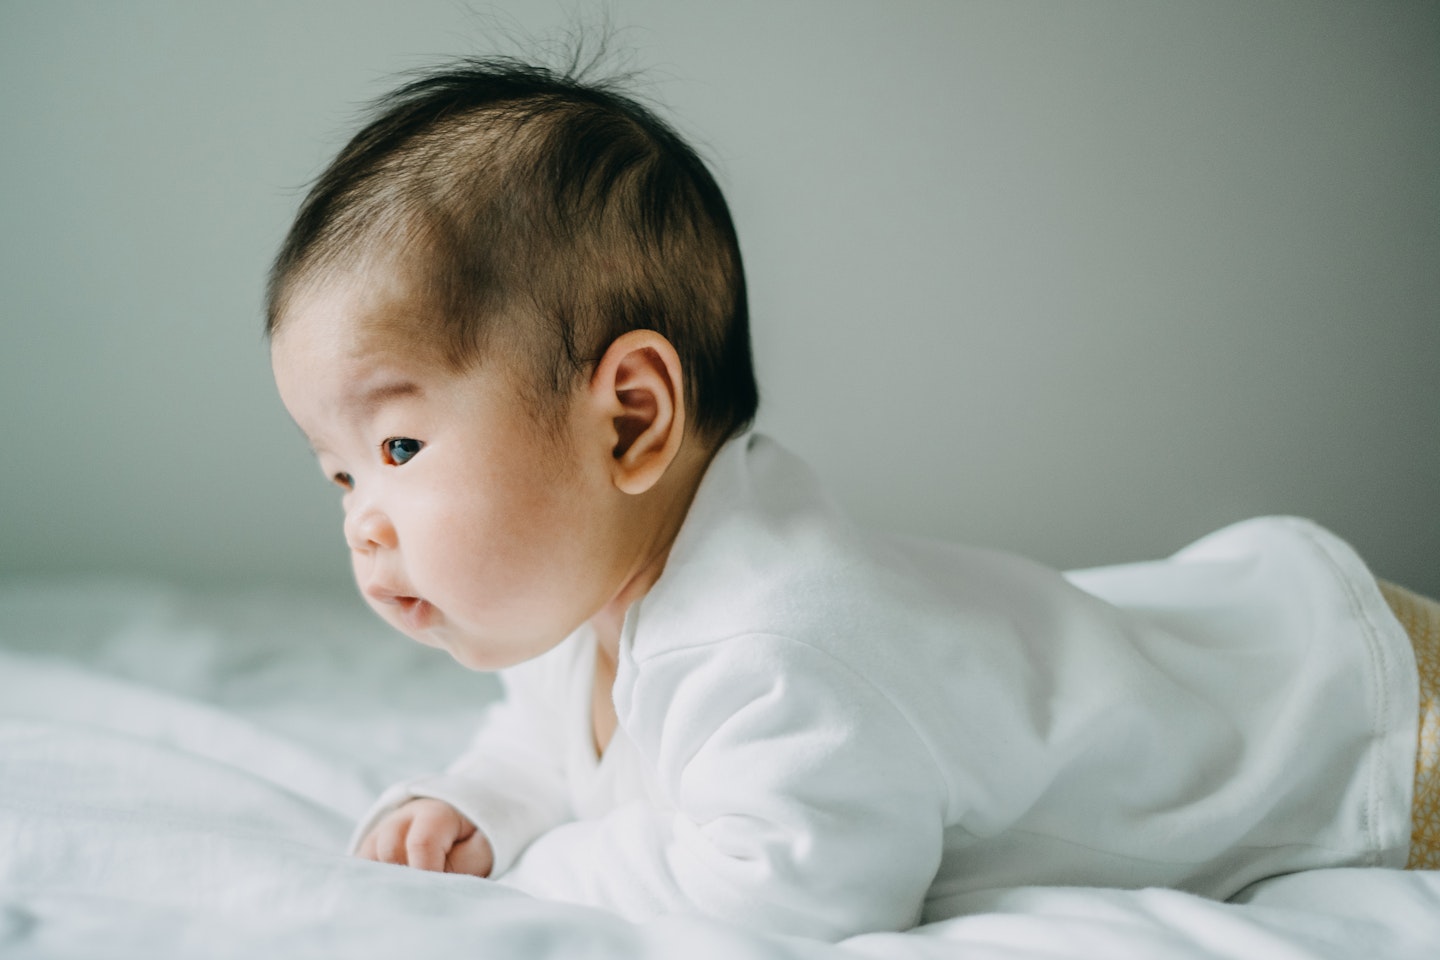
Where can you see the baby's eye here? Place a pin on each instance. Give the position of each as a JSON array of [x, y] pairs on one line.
[[398, 450], [343, 480]]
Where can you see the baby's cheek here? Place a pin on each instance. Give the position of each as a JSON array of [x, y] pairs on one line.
[[452, 569]]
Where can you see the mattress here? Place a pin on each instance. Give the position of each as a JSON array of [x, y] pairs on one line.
[[179, 773]]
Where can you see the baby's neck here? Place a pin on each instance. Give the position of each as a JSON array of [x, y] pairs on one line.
[[669, 502], [668, 508], [603, 720]]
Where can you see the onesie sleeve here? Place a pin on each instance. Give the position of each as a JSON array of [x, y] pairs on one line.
[[793, 797], [509, 782]]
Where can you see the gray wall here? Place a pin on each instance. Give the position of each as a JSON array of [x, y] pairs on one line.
[[1084, 280]]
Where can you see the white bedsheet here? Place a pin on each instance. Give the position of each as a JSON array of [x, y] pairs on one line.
[[178, 777]]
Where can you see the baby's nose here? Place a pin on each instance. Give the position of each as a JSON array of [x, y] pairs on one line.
[[367, 528]]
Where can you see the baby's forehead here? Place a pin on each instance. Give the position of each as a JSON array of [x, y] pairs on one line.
[[356, 313], [333, 369]]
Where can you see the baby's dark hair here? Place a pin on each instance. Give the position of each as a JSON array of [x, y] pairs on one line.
[[542, 216]]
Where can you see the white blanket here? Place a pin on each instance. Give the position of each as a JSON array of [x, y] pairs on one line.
[[178, 777]]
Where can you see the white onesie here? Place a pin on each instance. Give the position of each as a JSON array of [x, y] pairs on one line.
[[824, 732]]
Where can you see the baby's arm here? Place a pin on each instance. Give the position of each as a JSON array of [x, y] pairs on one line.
[[794, 797], [505, 790]]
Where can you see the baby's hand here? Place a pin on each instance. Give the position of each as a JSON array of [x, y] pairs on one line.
[[429, 835]]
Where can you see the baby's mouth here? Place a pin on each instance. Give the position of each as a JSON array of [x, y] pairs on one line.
[[415, 613]]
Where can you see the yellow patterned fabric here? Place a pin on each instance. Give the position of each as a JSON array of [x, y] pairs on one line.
[[1421, 618]]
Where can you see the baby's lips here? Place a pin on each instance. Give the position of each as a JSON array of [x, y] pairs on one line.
[[415, 613], [383, 594]]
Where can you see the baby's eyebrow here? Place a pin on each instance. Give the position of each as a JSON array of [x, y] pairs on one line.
[[380, 393]]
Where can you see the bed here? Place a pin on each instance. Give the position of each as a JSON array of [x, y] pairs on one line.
[[179, 774]]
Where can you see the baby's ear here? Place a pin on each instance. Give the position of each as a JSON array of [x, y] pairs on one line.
[[639, 392]]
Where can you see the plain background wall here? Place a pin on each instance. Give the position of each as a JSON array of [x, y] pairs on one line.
[[1084, 280]]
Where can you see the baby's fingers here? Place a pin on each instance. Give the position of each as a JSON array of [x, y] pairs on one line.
[[386, 843], [429, 839], [367, 847], [472, 855]]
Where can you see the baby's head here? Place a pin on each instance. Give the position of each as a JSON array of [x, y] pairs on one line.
[[511, 318]]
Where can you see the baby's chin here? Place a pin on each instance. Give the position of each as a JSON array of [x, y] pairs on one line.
[[421, 621], [411, 616], [480, 657], [442, 635], [486, 654]]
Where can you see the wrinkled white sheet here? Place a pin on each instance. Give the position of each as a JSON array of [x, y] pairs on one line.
[[178, 776]]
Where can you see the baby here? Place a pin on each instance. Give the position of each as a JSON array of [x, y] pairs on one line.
[[511, 319]]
